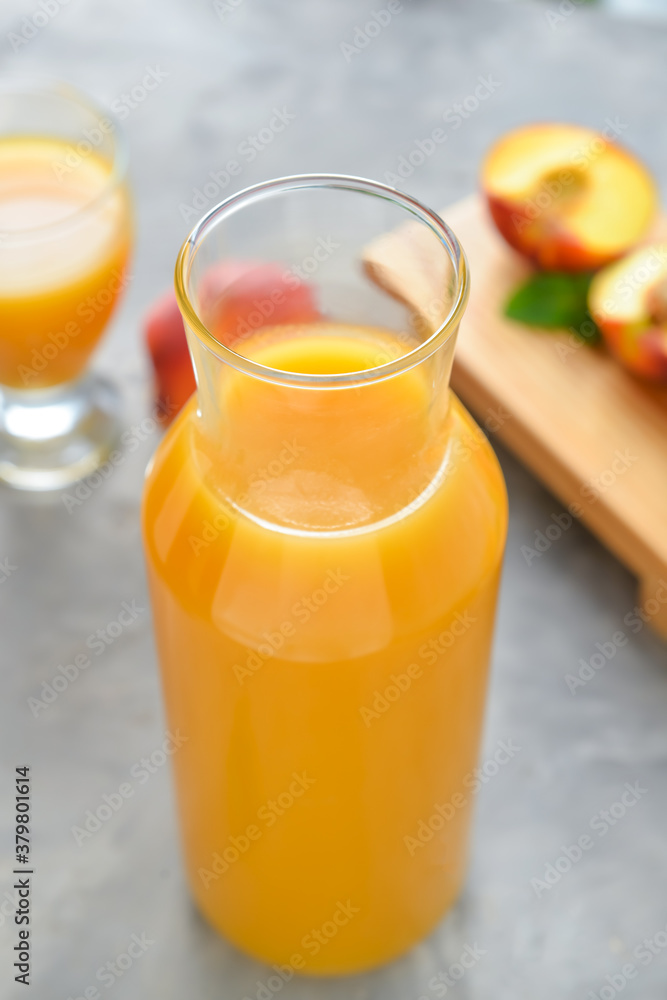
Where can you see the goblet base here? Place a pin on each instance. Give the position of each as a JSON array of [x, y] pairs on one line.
[[51, 438]]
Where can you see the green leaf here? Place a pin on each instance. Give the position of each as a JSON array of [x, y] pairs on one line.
[[555, 301]]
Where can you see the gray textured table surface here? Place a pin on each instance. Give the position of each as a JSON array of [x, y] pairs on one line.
[[224, 75]]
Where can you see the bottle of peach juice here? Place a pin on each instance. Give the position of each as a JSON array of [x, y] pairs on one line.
[[324, 527]]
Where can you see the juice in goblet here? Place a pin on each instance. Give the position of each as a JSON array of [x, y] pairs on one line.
[[65, 236]]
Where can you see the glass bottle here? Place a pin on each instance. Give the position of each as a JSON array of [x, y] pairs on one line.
[[324, 527]]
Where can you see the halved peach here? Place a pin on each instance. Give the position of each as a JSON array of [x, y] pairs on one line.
[[566, 197], [628, 301]]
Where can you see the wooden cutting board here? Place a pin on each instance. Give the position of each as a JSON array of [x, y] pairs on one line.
[[595, 435]]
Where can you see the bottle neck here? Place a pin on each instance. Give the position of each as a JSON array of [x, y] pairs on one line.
[[322, 458]]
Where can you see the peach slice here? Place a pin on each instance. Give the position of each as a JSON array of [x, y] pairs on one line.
[[566, 197], [628, 301]]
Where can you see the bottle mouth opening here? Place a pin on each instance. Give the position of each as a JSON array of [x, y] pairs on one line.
[[52, 89], [258, 192]]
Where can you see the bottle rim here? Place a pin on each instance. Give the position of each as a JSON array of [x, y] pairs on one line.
[[359, 185]]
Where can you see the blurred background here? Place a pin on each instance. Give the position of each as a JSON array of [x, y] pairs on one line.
[[649, 9], [218, 71]]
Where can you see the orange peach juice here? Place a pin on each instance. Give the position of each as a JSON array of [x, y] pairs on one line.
[[64, 244], [323, 578]]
